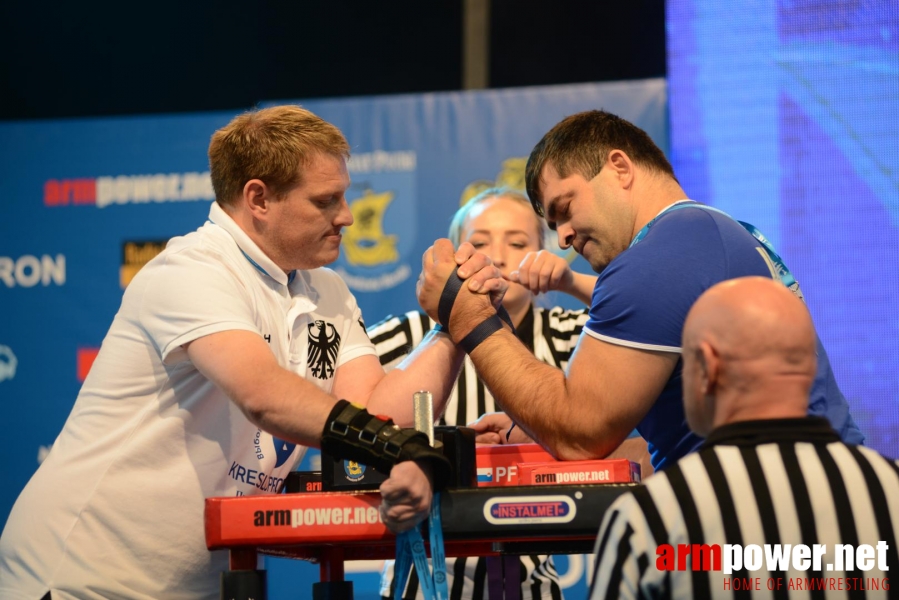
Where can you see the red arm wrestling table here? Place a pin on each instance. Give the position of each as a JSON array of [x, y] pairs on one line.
[[331, 527]]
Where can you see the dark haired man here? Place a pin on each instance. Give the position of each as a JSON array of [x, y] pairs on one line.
[[609, 192]]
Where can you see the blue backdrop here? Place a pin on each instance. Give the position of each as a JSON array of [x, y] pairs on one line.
[[786, 114]]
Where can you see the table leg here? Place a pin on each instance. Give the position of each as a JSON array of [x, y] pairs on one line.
[[331, 572], [243, 581]]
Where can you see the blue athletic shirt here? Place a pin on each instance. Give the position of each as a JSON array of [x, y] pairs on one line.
[[642, 297]]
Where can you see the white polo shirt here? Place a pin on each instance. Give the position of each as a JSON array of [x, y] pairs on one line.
[[117, 506]]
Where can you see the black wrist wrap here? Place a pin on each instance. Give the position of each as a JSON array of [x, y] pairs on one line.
[[352, 433], [480, 333], [488, 327]]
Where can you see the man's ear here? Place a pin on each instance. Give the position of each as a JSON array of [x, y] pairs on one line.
[[623, 167], [709, 367], [256, 198]]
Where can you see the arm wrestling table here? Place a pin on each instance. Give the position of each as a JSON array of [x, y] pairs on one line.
[[331, 527]]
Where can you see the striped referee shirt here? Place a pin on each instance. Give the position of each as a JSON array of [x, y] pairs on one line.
[[551, 334], [757, 486]]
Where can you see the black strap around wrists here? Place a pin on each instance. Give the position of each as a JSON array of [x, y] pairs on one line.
[[445, 308], [504, 315], [488, 327], [448, 298]]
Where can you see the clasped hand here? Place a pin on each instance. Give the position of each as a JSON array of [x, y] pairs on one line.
[[483, 280]]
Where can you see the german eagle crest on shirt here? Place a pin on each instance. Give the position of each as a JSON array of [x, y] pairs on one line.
[[324, 342]]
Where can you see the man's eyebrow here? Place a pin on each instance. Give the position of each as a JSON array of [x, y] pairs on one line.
[[551, 206], [551, 211]]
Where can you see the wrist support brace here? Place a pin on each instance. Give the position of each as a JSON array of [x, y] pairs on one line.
[[352, 433]]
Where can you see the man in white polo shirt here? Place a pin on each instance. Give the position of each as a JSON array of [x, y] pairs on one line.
[[226, 359]]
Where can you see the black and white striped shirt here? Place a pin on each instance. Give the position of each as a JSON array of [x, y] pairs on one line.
[[551, 334], [789, 481]]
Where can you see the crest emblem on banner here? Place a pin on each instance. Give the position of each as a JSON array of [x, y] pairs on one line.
[[376, 248], [365, 242]]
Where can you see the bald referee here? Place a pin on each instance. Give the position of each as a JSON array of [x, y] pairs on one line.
[[767, 475]]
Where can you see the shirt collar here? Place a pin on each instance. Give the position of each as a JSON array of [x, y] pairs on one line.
[[752, 433], [248, 247], [673, 204]]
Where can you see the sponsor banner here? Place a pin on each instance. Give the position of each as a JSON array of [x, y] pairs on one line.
[[30, 271], [135, 254], [376, 250], [129, 189]]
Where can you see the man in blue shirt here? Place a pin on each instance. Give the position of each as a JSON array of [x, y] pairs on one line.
[[611, 194]]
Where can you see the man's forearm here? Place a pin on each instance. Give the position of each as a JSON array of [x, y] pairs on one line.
[[433, 367], [537, 397]]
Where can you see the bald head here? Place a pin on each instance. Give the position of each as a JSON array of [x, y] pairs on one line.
[[749, 353]]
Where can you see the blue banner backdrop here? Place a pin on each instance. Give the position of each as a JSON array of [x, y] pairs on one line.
[[786, 115], [89, 201]]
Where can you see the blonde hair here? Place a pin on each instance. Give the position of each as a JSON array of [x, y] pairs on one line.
[[269, 144], [461, 216]]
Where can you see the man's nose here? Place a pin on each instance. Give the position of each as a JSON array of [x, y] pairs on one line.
[[344, 216], [566, 236]]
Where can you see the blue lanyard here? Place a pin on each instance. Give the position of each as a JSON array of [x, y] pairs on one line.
[[411, 547], [776, 263]]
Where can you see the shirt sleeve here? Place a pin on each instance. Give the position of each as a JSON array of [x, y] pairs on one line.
[[188, 295]]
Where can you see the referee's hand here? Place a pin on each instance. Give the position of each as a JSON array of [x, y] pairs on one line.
[[497, 428]]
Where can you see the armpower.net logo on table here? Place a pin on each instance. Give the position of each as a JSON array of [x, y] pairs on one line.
[[320, 516]]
